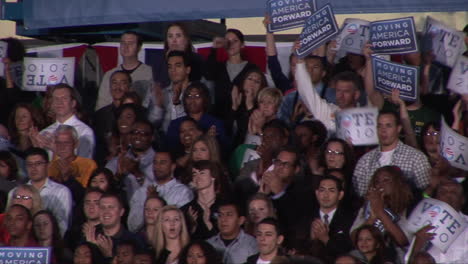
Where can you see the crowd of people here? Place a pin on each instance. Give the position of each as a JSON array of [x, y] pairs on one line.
[[202, 161]]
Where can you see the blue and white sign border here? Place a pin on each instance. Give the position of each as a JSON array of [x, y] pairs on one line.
[[268, 6], [413, 29]]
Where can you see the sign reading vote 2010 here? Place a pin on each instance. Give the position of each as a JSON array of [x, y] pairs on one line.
[[393, 36], [287, 14], [453, 147], [389, 76], [24, 255], [40, 72], [358, 125], [319, 28]]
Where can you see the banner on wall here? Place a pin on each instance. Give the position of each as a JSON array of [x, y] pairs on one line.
[[319, 28], [353, 35], [40, 72], [448, 223], [3, 54], [358, 125], [447, 44], [458, 81], [288, 14], [453, 147], [393, 36], [389, 75]]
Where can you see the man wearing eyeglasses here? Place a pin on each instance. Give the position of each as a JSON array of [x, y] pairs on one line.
[[55, 197], [135, 168]]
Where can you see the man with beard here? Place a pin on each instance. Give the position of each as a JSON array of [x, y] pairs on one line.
[[167, 187]]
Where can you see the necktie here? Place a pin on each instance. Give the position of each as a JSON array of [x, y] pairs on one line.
[[325, 219]]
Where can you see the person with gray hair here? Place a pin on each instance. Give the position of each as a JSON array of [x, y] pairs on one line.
[[66, 167]]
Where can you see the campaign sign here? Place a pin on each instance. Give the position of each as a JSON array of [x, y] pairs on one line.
[[249, 154], [358, 125], [389, 75], [40, 72], [353, 36], [458, 81], [287, 14], [253, 139], [393, 36], [446, 43], [3, 54], [453, 147], [319, 28], [448, 223], [30, 255]]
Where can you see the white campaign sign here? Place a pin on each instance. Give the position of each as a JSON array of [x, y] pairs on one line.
[[3, 54], [353, 35], [40, 72], [253, 139], [358, 125], [448, 223], [458, 81], [446, 43], [249, 154], [453, 147]]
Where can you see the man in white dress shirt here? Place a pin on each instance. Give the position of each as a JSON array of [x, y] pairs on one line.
[[64, 102], [55, 197], [171, 190]]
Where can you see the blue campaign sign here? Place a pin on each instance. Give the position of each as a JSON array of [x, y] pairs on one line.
[[393, 36], [389, 75], [287, 14], [319, 28], [30, 255]]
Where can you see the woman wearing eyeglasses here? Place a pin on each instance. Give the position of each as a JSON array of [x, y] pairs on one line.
[[25, 195]]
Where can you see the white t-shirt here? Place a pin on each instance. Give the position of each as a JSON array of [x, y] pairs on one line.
[[261, 261], [386, 157]]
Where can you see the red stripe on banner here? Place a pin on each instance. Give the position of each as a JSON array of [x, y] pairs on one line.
[[76, 52], [254, 55], [108, 57]]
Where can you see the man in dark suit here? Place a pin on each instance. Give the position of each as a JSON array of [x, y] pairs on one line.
[[269, 238], [329, 229]]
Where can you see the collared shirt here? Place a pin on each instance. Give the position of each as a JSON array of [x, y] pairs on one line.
[[330, 216], [173, 192], [85, 135], [58, 199], [146, 166], [237, 251], [81, 170], [171, 111], [412, 162]]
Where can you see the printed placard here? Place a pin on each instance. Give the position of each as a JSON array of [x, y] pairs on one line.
[[287, 14], [389, 75], [30, 255], [319, 28], [453, 147], [358, 125], [3, 54], [353, 35], [458, 81], [249, 154], [447, 44], [448, 223], [393, 36], [253, 139], [40, 72]]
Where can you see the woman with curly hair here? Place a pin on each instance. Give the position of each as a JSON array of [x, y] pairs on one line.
[[199, 252], [171, 235], [387, 201], [369, 245]]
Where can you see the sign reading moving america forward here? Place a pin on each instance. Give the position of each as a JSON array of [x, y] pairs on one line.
[[393, 36], [287, 14], [40, 72], [453, 147], [30, 255], [358, 125], [389, 75], [319, 28]]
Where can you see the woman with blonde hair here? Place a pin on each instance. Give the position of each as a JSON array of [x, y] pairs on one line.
[[269, 100], [171, 235], [259, 206]]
